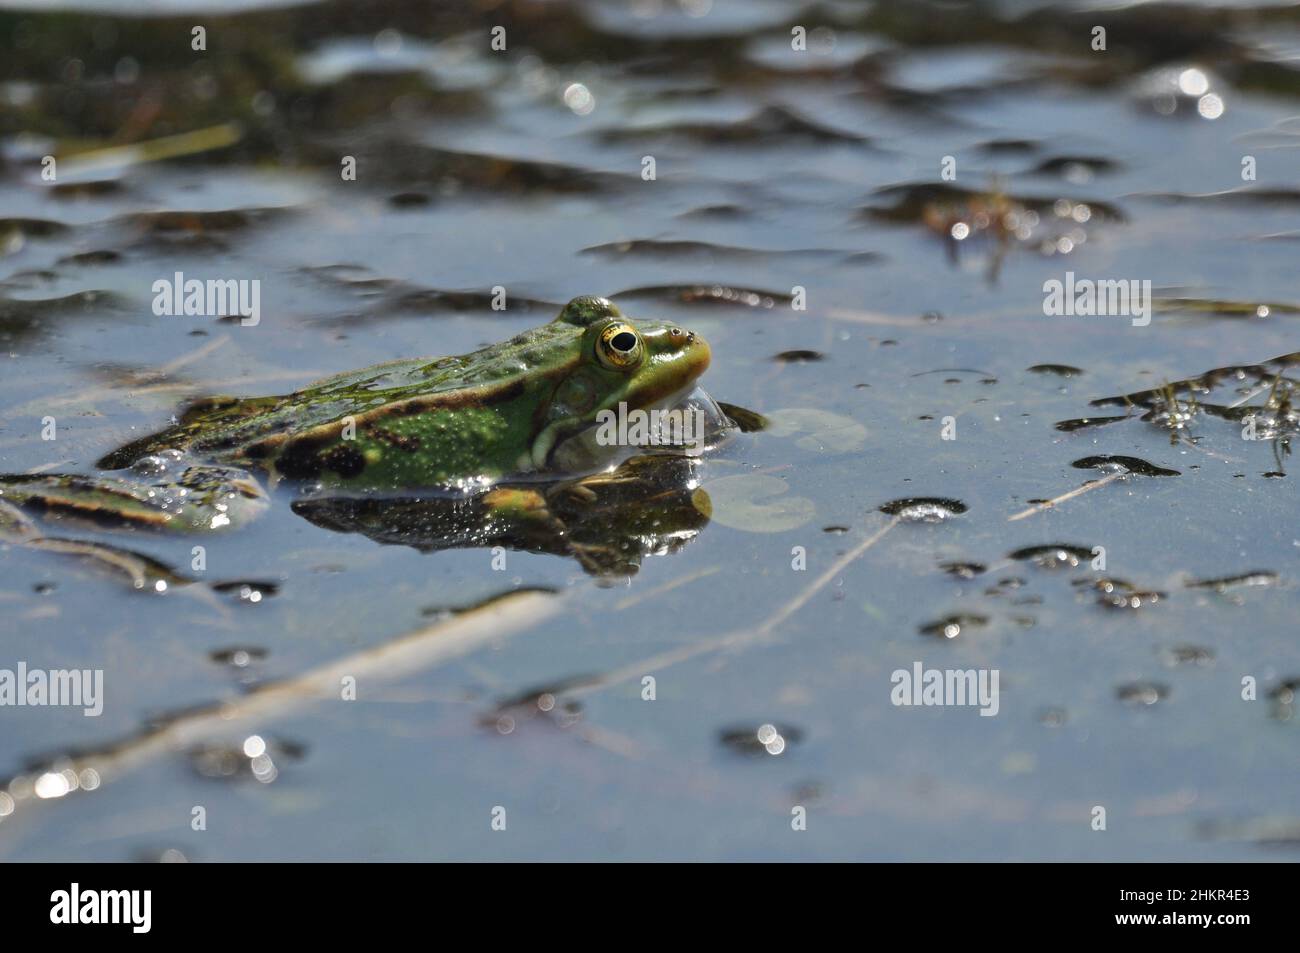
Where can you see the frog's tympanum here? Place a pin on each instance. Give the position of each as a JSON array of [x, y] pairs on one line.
[[483, 430]]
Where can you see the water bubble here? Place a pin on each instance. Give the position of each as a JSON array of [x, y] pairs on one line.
[[51, 784], [1193, 82], [388, 42], [768, 738], [579, 99]]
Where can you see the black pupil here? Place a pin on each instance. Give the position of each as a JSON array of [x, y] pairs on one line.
[[623, 341]]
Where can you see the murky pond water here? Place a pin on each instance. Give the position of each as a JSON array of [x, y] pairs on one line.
[[864, 229]]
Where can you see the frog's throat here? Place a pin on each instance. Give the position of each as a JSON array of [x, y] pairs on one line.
[[541, 448], [545, 441]]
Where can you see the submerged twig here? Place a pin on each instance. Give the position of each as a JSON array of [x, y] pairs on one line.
[[1077, 491], [737, 637], [421, 649], [153, 150]]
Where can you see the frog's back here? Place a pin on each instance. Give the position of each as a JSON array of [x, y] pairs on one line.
[[447, 397]]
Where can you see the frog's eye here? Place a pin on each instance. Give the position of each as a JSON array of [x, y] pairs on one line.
[[619, 346]]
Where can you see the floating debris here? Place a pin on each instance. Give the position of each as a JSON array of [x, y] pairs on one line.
[[1279, 832], [1217, 308], [1105, 584], [1080, 423], [1134, 599], [710, 294], [1053, 555], [1142, 693], [99, 257], [239, 656], [253, 757], [1060, 370], [749, 421], [657, 248], [546, 702], [1247, 381], [993, 219], [1197, 655], [248, 592], [964, 570], [799, 357], [1005, 586], [1053, 717], [1115, 467], [771, 125], [1285, 691], [1247, 580], [924, 509], [1076, 169], [1123, 466], [998, 147], [952, 626], [409, 200]]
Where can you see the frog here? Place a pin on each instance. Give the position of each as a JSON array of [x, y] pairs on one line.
[[460, 424]]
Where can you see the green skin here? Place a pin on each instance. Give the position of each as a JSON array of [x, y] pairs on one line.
[[453, 422]]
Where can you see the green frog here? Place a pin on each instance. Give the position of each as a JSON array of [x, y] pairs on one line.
[[461, 423]]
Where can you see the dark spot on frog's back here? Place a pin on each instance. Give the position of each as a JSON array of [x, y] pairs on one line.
[[299, 459], [408, 443], [346, 461]]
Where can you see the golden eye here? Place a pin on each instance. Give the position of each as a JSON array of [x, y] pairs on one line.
[[619, 346]]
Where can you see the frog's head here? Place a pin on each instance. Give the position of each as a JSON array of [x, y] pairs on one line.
[[640, 365]]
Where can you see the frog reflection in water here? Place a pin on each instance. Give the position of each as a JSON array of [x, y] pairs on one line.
[[459, 423]]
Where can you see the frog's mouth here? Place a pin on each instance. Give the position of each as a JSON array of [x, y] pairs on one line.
[[686, 422]]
